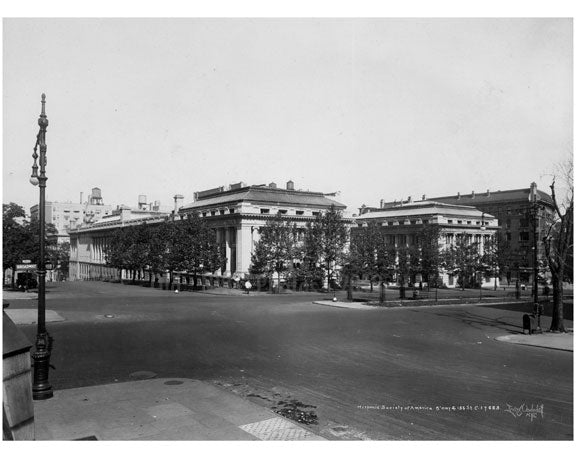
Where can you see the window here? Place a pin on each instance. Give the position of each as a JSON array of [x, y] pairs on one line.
[[213, 212], [203, 213], [424, 221], [390, 223], [315, 213], [221, 212], [401, 240], [459, 221], [523, 222], [413, 221], [450, 221], [524, 236], [401, 223], [468, 222], [508, 236], [299, 212], [282, 212], [477, 223], [264, 211], [231, 210]]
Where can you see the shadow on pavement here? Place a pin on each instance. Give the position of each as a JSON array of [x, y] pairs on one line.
[[527, 308], [507, 324]]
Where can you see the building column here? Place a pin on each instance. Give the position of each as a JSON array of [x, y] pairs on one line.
[[228, 251], [243, 249]]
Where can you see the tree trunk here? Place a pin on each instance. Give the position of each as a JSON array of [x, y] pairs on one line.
[[558, 305], [349, 293], [13, 277], [171, 279], [371, 286], [382, 293], [278, 282], [328, 278]]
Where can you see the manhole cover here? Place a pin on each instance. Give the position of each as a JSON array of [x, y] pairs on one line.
[[143, 375], [173, 382]]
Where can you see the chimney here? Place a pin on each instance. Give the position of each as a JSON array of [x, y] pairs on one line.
[[458, 195], [409, 199], [177, 197], [382, 202], [81, 194], [272, 185], [488, 193], [533, 192], [473, 195], [290, 185], [423, 196]]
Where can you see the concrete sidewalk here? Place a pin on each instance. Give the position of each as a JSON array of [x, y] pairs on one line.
[[159, 409], [30, 316], [555, 341]]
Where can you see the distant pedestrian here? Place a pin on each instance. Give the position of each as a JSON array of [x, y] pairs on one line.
[[248, 286]]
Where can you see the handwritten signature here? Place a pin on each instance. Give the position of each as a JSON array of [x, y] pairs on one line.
[[531, 412]]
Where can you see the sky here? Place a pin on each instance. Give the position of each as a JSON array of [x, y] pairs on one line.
[[373, 108]]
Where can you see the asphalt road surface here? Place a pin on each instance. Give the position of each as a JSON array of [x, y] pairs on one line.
[[382, 374]]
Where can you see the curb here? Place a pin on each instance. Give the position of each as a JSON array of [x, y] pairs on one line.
[[511, 340]]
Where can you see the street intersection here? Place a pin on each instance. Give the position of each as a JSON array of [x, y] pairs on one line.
[[428, 373]]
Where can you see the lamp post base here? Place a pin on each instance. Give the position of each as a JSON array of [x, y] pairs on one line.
[[41, 388]]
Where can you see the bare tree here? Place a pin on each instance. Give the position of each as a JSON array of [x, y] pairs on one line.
[[558, 241]]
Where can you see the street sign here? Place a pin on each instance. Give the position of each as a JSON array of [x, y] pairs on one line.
[[25, 267]]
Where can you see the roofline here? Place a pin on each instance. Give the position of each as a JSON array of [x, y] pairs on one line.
[[420, 204], [259, 188], [484, 194]]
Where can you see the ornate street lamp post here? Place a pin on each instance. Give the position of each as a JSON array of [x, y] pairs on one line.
[[41, 388]]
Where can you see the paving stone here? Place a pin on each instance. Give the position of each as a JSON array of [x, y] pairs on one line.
[[277, 429]]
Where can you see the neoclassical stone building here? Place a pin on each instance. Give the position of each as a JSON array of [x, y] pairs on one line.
[[87, 242], [402, 222], [237, 212]]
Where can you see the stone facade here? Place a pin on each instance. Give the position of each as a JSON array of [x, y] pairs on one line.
[[402, 223]]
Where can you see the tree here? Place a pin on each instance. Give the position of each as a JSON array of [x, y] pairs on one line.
[[462, 260], [276, 249], [559, 243], [407, 265], [309, 252], [16, 239], [332, 239], [364, 244], [429, 246], [20, 238], [385, 262], [199, 252], [490, 260]]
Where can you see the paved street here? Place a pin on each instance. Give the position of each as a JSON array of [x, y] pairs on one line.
[[418, 373]]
